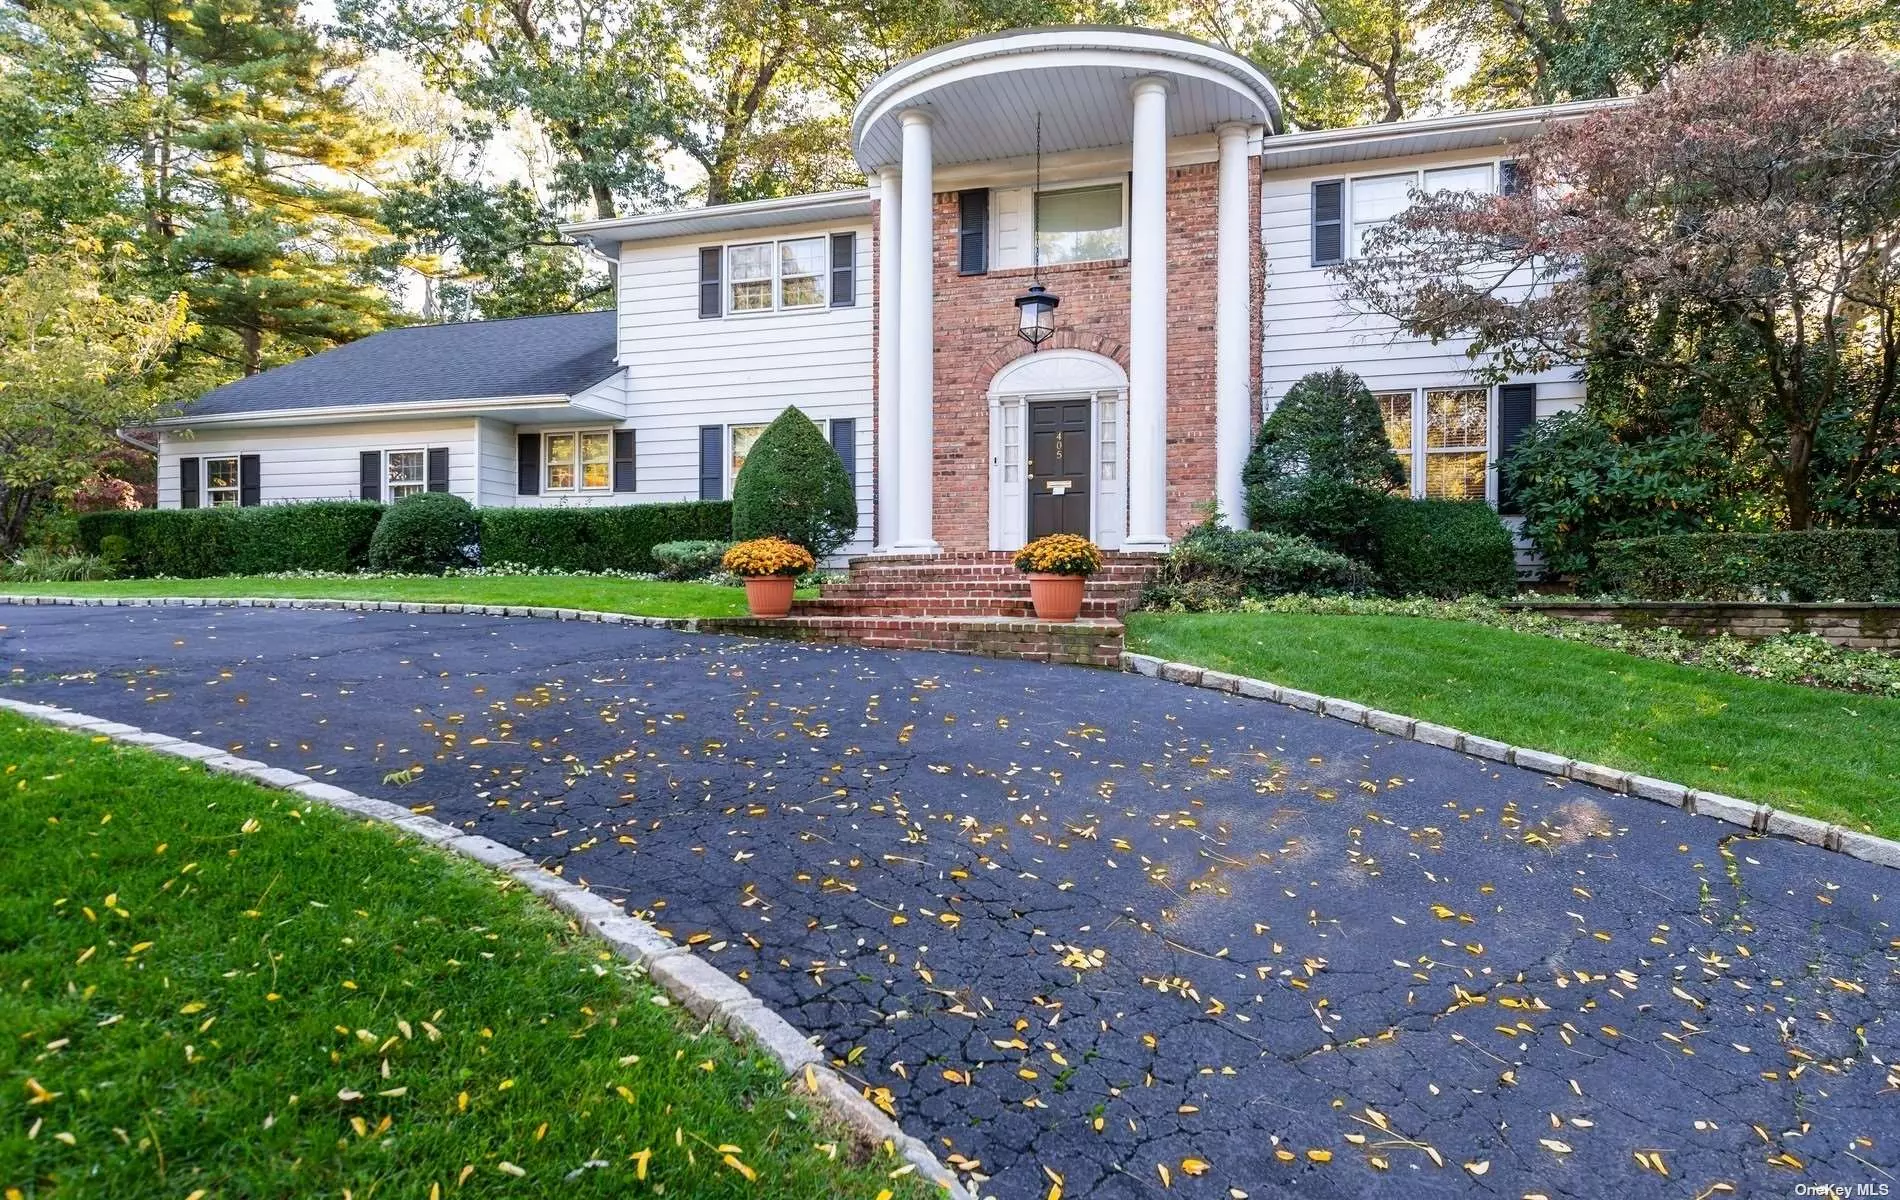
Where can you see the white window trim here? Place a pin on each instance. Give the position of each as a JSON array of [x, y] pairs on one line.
[[236, 490], [1416, 485], [579, 488], [1350, 230], [389, 485], [1117, 182], [732, 474], [824, 277]]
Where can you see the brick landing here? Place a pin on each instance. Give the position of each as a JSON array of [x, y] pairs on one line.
[[964, 603]]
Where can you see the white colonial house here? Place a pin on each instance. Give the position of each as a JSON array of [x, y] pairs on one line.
[[1142, 179]]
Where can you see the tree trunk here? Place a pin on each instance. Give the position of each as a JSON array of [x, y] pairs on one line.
[[1797, 479]]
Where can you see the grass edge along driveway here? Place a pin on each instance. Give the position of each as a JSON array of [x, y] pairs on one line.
[[598, 593], [1831, 755], [218, 990]]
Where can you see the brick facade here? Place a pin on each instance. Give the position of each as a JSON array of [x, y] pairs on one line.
[[976, 337]]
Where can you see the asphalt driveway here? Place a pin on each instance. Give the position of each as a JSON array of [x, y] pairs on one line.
[[1144, 939]]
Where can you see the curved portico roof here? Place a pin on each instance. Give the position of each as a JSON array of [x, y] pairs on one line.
[[984, 93]]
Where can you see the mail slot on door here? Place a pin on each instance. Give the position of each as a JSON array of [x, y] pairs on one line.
[[1059, 487]]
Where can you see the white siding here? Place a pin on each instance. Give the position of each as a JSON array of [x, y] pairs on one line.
[[1307, 327], [317, 462], [684, 371]]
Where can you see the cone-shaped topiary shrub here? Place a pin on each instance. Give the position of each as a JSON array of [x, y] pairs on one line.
[[426, 534], [1322, 463], [794, 486]]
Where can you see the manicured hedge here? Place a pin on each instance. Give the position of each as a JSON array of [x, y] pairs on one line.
[[620, 538], [1443, 548], [323, 535], [1805, 565]]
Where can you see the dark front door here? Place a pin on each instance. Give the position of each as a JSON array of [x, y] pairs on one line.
[[1059, 467]]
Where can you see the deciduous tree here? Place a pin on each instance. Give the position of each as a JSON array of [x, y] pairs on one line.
[[1729, 243]]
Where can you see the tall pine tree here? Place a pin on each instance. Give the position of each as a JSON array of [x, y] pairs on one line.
[[248, 176]]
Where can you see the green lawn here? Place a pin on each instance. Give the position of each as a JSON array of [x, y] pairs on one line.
[[642, 597], [213, 990], [1829, 754]]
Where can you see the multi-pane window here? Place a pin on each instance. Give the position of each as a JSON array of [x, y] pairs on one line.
[[750, 269], [1080, 224], [404, 473], [582, 460], [741, 439], [1396, 407], [221, 482], [767, 275], [1376, 199], [801, 273], [1457, 442]]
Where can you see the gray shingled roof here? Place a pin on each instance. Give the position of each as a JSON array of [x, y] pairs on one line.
[[522, 356]]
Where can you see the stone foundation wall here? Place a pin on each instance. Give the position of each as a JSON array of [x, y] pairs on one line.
[[1855, 626]]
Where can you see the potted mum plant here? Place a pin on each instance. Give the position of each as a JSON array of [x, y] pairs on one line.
[[1058, 567], [770, 567]]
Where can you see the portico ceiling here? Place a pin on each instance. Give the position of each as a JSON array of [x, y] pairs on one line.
[[983, 94]]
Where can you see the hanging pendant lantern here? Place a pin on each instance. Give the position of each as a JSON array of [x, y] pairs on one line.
[[1036, 308], [1036, 314]]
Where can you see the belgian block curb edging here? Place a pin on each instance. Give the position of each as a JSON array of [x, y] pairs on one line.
[[705, 991], [1755, 818]]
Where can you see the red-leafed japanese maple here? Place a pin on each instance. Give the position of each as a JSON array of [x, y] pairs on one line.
[[1726, 247]]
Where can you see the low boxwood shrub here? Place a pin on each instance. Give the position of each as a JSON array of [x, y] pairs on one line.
[[794, 486], [618, 538], [426, 533], [695, 559], [1213, 567], [192, 543], [1804, 565], [1442, 548]]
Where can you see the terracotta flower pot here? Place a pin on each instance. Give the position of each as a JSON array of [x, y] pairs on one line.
[[769, 595], [1056, 597]]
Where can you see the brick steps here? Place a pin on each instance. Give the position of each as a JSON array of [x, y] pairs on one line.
[[1083, 643], [963, 603]]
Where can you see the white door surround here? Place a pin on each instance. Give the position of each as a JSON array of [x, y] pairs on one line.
[[1059, 375]]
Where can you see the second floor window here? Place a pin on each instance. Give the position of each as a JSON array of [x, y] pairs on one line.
[[763, 276], [1376, 199], [1081, 224]]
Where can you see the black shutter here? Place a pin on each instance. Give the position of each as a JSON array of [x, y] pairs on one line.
[[712, 475], [438, 471], [624, 478], [1507, 177], [250, 481], [1329, 222], [973, 231], [711, 298], [188, 483], [528, 464], [1517, 412], [844, 439], [844, 270], [369, 474]]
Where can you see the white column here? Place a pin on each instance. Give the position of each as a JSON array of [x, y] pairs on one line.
[[1148, 322], [916, 344], [1233, 381], [889, 321]]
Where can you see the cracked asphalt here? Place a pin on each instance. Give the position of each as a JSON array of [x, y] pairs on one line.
[[1075, 926]]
